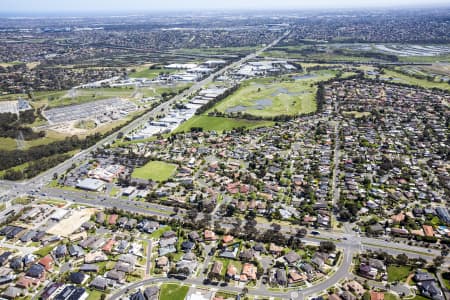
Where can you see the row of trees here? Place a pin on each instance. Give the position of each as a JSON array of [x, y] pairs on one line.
[[12, 124], [18, 157], [211, 104], [35, 167]]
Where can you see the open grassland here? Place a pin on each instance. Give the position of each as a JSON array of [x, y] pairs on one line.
[[88, 95], [8, 144], [401, 78], [433, 73], [215, 51], [425, 59], [359, 52], [173, 291], [309, 52], [220, 124], [270, 97], [158, 91], [53, 99], [150, 73], [155, 170]]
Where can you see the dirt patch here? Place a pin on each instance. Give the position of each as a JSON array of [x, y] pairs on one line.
[[408, 280], [69, 225]]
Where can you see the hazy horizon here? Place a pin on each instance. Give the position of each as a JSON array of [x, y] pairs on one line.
[[33, 7]]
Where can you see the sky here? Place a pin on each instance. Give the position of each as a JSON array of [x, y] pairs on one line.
[[37, 6]]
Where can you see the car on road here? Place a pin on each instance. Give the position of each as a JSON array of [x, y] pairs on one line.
[[314, 232]]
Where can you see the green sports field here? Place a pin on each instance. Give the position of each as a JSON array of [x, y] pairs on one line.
[[155, 170]]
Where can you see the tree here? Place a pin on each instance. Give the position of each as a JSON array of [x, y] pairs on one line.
[[327, 246], [438, 261], [402, 259], [301, 233], [275, 226]]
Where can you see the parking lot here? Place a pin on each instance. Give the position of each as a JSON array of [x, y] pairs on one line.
[[102, 111]]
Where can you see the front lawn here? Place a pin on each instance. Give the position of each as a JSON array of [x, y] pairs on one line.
[[155, 170], [45, 250], [446, 277], [94, 294], [173, 291], [418, 297], [389, 296]]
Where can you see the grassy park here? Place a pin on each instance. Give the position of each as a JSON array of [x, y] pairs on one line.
[[219, 124], [269, 97], [155, 170], [275, 96]]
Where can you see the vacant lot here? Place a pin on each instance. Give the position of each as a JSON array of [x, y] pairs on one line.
[[155, 170], [67, 226], [173, 291], [398, 273], [219, 124]]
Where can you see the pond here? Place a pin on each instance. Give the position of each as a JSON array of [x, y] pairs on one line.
[[281, 91], [303, 77], [259, 105]]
